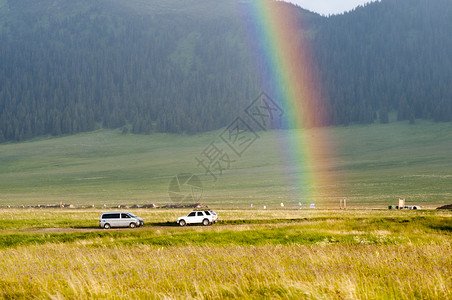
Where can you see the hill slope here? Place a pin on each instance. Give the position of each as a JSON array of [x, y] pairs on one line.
[[171, 66], [374, 166]]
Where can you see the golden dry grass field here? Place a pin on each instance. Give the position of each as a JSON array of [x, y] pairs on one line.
[[270, 254]]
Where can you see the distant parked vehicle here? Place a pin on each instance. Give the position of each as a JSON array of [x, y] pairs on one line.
[[408, 207], [119, 219], [412, 207], [204, 217]]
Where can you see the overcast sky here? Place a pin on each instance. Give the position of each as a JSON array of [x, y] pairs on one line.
[[327, 7]]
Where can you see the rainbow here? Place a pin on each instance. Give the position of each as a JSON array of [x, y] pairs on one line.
[[291, 78]]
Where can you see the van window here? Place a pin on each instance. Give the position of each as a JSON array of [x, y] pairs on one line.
[[110, 216], [125, 216]]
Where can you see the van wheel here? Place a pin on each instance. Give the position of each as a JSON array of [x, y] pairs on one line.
[[107, 226], [132, 225], [205, 222], [182, 223]]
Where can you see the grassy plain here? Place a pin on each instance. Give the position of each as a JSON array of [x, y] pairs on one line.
[[374, 165], [277, 254]]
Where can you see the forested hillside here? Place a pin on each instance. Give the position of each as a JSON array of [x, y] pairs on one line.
[[187, 66], [388, 55]]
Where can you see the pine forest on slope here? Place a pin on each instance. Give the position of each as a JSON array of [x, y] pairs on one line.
[[187, 66]]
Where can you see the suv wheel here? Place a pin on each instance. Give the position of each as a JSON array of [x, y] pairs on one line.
[[106, 226], [205, 222], [182, 223], [132, 225]]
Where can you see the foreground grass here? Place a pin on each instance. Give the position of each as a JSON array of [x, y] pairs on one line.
[[212, 272], [249, 254]]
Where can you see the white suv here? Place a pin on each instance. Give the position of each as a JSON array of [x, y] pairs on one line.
[[204, 217]]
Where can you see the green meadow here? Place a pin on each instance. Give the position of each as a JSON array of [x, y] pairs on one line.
[[372, 165]]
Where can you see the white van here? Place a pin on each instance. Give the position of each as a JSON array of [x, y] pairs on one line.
[[119, 219]]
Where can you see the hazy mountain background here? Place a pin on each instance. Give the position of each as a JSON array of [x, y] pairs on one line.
[[189, 66]]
